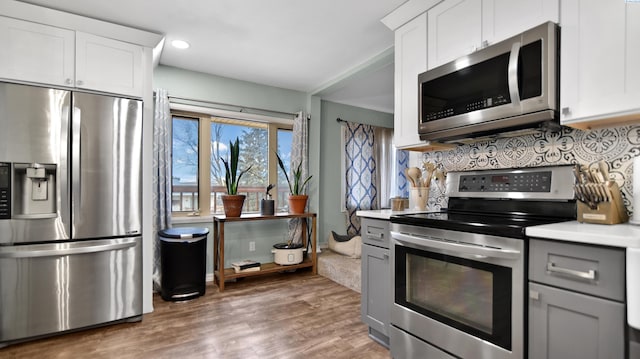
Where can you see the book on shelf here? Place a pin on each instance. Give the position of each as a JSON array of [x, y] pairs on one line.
[[251, 269], [247, 265]]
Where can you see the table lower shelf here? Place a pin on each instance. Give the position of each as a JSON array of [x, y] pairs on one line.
[[265, 268]]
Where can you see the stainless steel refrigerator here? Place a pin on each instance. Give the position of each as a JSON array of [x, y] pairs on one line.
[[70, 211]]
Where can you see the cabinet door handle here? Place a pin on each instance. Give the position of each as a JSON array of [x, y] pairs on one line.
[[79, 83], [589, 275], [566, 111], [68, 81], [534, 294]]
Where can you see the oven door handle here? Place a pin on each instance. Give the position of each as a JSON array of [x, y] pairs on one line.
[[457, 247]]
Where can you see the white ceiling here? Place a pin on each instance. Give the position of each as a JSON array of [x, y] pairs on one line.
[[306, 45]]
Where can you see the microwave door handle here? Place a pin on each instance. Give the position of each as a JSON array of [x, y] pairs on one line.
[[457, 247], [513, 74]]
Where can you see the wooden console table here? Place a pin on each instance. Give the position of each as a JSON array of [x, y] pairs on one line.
[[220, 274]]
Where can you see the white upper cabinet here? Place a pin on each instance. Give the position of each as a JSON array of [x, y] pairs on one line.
[[502, 19], [600, 62], [454, 30], [108, 65], [460, 27], [410, 60], [36, 53], [54, 56]]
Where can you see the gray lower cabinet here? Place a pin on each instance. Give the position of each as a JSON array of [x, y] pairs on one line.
[[568, 325], [576, 301], [376, 279]]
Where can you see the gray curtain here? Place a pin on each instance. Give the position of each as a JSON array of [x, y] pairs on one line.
[[162, 175], [385, 156], [299, 154]]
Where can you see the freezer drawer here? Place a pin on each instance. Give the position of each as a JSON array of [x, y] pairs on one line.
[[51, 288]]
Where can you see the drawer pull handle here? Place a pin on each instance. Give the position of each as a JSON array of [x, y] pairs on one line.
[[589, 275], [375, 235]]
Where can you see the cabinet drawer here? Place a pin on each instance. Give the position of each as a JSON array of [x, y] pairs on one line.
[[587, 269], [375, 232]]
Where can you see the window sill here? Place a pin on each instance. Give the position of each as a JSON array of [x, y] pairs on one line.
[[192, 219]]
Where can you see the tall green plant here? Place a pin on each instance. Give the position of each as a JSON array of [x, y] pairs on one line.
[[297, 187], [231, 176]]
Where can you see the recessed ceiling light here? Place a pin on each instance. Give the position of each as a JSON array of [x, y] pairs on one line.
[[180, 44]]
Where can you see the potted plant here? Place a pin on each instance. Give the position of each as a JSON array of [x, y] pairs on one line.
[[232, 201], [297, 198], [267, 205]]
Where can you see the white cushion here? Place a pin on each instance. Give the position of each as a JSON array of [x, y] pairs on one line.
[[351, 248]]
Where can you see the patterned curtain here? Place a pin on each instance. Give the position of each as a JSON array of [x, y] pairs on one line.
[[162, 178], [360, 172], [402, 163], [299, 154]]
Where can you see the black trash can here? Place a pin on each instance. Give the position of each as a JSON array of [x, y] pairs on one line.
[[183, 257]]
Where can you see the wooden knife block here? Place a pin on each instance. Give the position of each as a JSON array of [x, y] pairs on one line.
[[612, 212]]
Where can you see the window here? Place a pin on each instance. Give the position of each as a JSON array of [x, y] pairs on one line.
[[285, 140], [199, 143], [184, 164]]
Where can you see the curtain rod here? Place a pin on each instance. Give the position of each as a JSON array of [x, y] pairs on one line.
[[339, 120], [241, 108]]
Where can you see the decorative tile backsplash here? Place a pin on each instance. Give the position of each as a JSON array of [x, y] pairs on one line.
[[616, 145]]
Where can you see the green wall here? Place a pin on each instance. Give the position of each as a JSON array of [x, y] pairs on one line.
[[324, 152], [200, 86], [330, 217]]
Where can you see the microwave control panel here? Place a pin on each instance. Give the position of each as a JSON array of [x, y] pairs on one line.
[[5, 190]]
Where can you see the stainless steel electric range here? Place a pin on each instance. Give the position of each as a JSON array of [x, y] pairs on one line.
[[459, 275]]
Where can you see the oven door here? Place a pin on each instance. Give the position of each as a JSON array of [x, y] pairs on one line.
[[461, 292]]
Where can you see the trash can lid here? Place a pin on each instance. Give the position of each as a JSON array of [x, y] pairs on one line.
[[184, 232]]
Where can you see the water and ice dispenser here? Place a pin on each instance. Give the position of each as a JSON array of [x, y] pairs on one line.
[[5, 190], [33, 190]]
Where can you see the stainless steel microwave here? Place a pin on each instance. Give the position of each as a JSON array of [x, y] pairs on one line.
[[508, 86]]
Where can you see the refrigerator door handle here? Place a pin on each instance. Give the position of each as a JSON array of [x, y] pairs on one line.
[[64, 249], [76, 196]]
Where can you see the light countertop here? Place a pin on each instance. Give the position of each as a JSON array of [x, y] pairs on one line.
[[623, 235]]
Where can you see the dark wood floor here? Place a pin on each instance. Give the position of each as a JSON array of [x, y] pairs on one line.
[[290, 315]]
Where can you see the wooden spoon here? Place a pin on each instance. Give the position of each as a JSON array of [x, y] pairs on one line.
[[406, 173], [415, 174]]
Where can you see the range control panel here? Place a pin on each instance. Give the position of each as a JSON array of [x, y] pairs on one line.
[[5, 190], [506, 182], [530, 183]]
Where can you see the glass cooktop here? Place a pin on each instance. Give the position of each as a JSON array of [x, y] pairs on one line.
[[498, 225]]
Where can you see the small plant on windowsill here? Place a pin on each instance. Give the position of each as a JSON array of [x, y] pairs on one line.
[[297, 198], [233, 201]]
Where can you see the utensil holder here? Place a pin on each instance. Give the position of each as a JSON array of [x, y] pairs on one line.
[[419, 197], [612, 211]]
